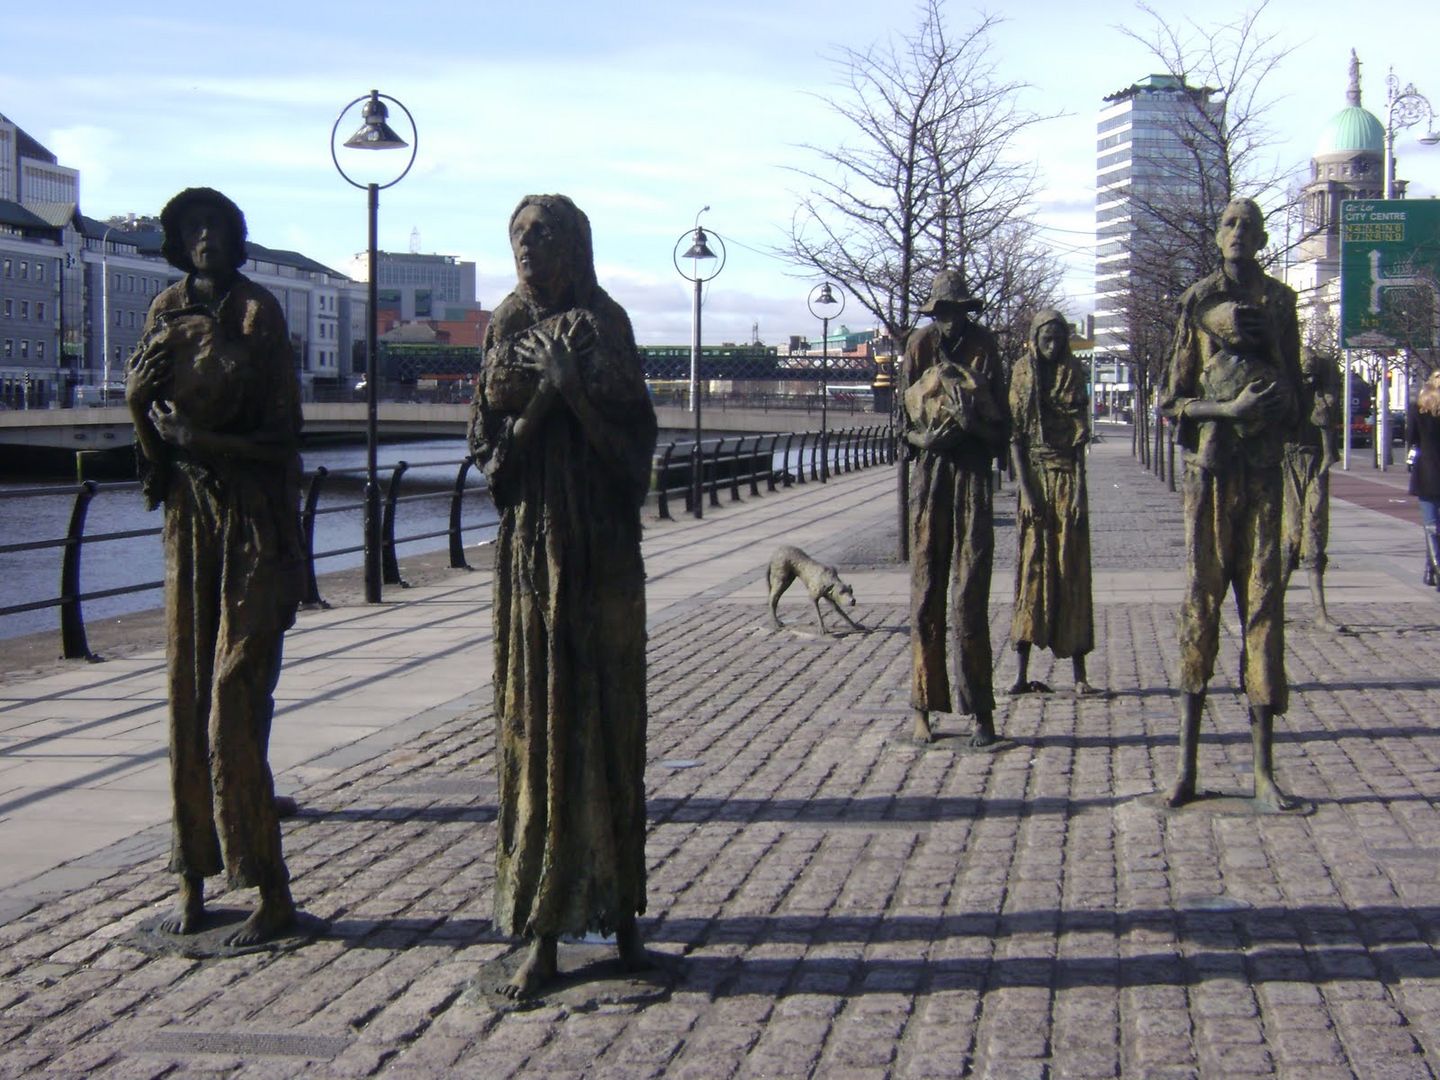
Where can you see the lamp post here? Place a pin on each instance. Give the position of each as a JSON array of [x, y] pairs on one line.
[[698, 252], [374, 133], [822, 297], [1404, 107]]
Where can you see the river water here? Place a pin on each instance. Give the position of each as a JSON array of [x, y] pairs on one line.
[[35, 575]]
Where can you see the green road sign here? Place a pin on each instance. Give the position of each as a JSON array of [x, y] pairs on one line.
[[1389, 273]]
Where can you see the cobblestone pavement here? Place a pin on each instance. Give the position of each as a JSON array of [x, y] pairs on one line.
[[835, 901]]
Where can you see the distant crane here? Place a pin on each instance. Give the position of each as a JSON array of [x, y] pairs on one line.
[[415, 240]]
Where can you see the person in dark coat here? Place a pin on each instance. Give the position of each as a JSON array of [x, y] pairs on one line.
[[215, 400], [1425, 474]]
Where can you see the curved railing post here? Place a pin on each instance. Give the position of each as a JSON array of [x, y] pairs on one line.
[[72, 618], [815, 449], [715, 474], [457, 543], [735, 470], [849, 449], [755, 466], [662, 477], [389, 564], [786, 478], [770, 468], [800, 462], [307, 530]]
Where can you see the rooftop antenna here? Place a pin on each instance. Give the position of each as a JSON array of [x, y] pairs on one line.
[[755, 332], [415, 240]]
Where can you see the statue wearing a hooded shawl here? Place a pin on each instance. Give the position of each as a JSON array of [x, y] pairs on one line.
[[1049, 430], [563, 426]]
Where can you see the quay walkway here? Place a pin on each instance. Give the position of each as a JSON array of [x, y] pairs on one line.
[[829, 899]]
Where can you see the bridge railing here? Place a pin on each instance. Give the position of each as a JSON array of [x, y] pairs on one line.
[[71, 599], [776, 459]]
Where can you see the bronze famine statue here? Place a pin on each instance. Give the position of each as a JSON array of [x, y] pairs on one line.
[[1049, 418], [216, 404], [1309, 453], [1231, 386], [563, 426], [955, 425]]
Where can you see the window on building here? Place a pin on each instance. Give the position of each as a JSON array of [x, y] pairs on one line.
[[24, 309], [7, 268], [130, 283], [9, 308], [130, 319], [119, 318], [9, 347], [39, 350], [24, 270], [39, 271], [116, 282], [24, 348], [40, 309]]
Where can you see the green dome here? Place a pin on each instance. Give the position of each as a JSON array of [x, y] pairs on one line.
[[1351, 130]]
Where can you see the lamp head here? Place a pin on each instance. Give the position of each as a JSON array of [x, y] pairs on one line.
[[374, 132], [700, 249], [1430, 138], [826, 297]]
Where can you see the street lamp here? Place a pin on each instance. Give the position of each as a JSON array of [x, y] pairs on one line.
[[823, 298], [699, 252], [1404, 107], [374, 133]]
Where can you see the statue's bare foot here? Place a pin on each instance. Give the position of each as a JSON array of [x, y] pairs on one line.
[[633, 956], [189, 910], [922, 732], [1084, 689], [1324, 622], [1020, 686], [1269, 795], [274, 915], [984, 733], [539, 967], [1183, 792]]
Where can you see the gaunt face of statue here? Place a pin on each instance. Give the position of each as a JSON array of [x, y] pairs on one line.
[[1050, 341], [1241, 234], [206, 234], [536, 244]]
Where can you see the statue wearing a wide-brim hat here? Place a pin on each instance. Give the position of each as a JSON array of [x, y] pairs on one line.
[[949, 288], [955, 423]]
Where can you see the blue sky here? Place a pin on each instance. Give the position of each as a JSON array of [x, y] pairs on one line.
[[642, 113]]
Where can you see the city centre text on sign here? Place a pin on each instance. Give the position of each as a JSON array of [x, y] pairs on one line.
[[1389, 273]]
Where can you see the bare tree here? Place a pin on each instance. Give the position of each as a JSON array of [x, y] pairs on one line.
[[927, 181], [1216, 144]]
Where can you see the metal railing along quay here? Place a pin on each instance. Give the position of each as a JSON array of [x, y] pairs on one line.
[[776, 459]]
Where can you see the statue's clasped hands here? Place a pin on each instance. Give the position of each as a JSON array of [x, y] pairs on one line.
[[556, 352]]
